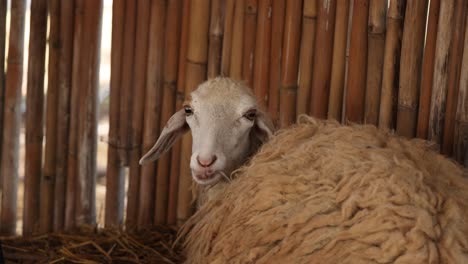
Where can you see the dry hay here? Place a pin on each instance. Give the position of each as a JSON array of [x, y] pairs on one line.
[[324, 193], [95, 246]]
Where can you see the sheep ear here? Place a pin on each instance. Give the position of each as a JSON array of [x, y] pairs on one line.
[[264, 127], [175, 127]]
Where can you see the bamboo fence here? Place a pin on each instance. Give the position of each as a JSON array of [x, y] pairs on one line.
[[401, 65]]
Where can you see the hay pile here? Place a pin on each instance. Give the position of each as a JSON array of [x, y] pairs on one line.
[[324, 193], [95, 246]]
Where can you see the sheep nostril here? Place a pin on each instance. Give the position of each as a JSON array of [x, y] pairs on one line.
[[206, 162]]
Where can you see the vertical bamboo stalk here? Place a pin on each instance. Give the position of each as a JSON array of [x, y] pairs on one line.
[[63, 119], [171, 57], [356, 86], [454, 67], [11, 121], [48, 177], [277, 32], [262, 53], [439, 85], [337, 79], [235, 69], [250, 28], [216, 37], [389, 93], [227, 37], [410, 67], [115, 180], [376, 45], [3, 11], [152, 111], [87, 128], [176, 148], [34, 115], [197, 56], [309, 19], [290, 62], [346, 74], [323, 59], [461, 118], [428, 70]]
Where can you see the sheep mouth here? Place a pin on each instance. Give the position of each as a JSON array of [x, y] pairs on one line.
[[207, 179]]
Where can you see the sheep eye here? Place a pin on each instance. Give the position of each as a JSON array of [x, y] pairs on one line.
[[188, 110], [251, 114]]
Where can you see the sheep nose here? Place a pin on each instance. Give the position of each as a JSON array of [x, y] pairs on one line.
[[206, 162]]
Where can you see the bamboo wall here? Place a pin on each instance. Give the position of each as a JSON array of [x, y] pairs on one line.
[[397, 64]]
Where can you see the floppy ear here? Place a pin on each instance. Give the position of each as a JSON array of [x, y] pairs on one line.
[[263, 128], [175, 127]]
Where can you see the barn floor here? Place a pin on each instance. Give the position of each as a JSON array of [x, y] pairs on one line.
[[95, 246]]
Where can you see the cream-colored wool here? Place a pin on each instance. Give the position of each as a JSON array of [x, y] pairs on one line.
[[323, 193]]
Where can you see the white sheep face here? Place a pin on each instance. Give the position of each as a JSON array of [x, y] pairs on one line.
[[226, 125]]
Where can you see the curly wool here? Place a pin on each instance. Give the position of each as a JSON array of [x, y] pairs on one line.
[[320, 192]]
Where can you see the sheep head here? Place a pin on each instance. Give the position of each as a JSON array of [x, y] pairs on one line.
[[227, 127]]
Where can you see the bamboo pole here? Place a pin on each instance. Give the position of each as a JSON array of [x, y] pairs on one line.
[[250, 28], [152, 111], [428, 70], [337, 79], [115, 178], [290, 62], [323, 59], [227, 37], [171, 57], [376, 45], [461, 118], [197, 56], [50, 153], [216, 37], [346, 74], [176, 148], [87, 127], [277, 32], [3, 11], [309, 19], [11, 121], [34, 115], [454, 67], [389, 93], [439, 85], [410, 67], [63, 119], [125, 109], [235, 69], [356, 86], [262, 53]]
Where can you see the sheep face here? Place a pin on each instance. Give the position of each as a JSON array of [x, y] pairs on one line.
[[227, 127]]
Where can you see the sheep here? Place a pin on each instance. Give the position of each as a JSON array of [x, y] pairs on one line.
[[320, 192]]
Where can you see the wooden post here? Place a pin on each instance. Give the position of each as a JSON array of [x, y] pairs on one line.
[[171, 57], [115, 178], [454, 66], [412, 47], [250, 28], [152, 111], [323, 59], [63, 108], [389, 93], [11, 120], [356, 87], [277, 32], [439, 85], [235, 69], [309, 19], [197, 56], [227, 37], [176, 148], [290, 62], [216, 36], [376, 45], [48, 176], [3, 12], [262, 53], [428, 70], [337, 79], [34, 115]]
